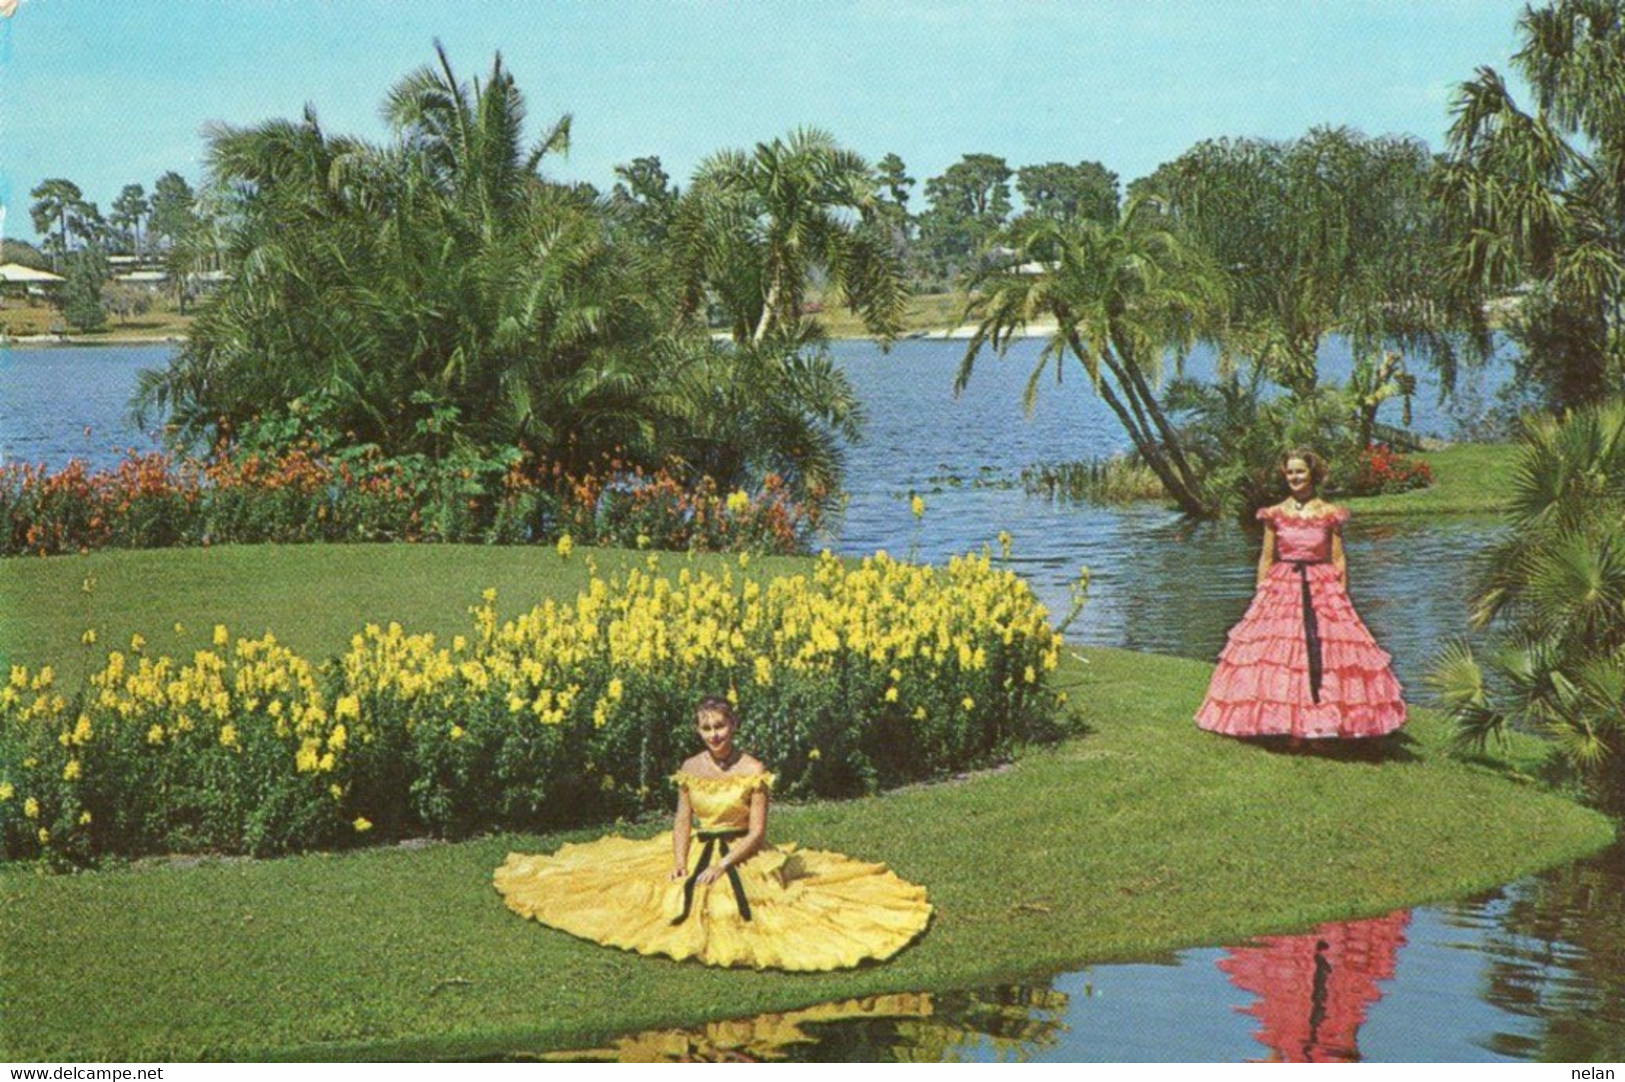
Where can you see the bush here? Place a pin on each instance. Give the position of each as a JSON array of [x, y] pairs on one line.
[[848, 679], [1380, 469]]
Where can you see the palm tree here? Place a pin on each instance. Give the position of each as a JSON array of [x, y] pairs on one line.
[[749, 411], [755, 226], [55, 201], [1556, 589], [1122, 295], [1540, 193], [1330, 232]]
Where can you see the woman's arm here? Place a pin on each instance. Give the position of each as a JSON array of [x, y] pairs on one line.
[[755, 833], [1339, 562], [680, 828], [1266, 557]]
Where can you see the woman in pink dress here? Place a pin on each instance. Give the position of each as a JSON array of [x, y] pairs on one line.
[[1301, 663]]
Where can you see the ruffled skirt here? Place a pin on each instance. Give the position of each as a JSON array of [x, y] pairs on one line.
[[1262, 684], [808, 909]]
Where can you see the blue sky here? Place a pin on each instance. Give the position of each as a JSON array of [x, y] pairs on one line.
[[111, 92]]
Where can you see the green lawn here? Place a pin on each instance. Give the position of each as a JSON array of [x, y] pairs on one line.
[[1468, 478], [1139, 836]]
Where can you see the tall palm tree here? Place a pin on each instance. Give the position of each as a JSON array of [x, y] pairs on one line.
[[1541, 193], [1121, 295], [756, 225], [1555, 587], [55, 201]]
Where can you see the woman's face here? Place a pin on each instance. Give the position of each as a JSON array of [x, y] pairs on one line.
[[1300, 478], [717, 731]]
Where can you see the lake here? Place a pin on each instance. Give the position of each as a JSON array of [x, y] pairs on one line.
[[1535, 970]]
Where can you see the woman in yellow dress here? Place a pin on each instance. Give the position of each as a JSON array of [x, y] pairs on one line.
[[720, 894]]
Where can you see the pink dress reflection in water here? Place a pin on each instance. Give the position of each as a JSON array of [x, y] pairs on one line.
[[1301, 663], [1314, 990]]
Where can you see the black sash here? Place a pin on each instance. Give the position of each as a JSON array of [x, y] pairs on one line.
[[714, 840], [1311, 628]]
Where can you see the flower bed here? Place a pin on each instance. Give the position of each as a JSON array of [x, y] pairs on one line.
[[1381, 469], [306, 492], [849, 679]]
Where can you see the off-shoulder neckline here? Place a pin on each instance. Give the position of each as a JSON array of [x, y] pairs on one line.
[[1328, 511]]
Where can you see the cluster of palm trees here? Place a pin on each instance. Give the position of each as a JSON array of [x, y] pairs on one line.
[[441, 293], [1263, 249], [1543, 192]]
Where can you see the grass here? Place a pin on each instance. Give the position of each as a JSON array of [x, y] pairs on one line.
[[22, 318], [1141, 836], [1468, 478], [923, 314], [1105, 481]]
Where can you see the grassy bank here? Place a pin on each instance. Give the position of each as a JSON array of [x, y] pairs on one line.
[[26, 319], [1468, 478], [1140, 836]]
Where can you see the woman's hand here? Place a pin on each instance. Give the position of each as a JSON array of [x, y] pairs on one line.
[[679, 873], [712, 874]]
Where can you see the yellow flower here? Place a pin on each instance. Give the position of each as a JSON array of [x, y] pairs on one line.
[[221, 635], [136, 643], [1029, 675], [44, 836], [71, 771], [180, 628], [1004, 543], [566, 546], [917, 505], [82, 731], [616, 689], [89, 637], [969, 703], [89, 585], [362, 824], [31, 808], [456, 732], [891, 695], [644, 540], [815, 755], [84, 819], [348, 706], [228, 736], [489, 594], [739, 501], [155, 735], [6, 791]]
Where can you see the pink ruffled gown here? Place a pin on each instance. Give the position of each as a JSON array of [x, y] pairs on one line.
[[1287, 673]]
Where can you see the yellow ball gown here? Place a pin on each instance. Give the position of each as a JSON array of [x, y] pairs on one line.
[[784, 908]]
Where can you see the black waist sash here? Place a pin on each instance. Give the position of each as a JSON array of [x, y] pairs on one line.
[[1311, 628], [715, 840]]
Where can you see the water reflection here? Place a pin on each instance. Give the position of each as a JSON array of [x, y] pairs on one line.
[[1315, 990], [1532, 971], [1556, 956], [922, 1027]]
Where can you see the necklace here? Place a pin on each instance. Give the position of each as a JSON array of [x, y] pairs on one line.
[[727, 761], [1299, 505]]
